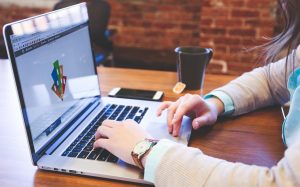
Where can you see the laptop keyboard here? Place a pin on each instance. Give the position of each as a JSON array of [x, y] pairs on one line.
[[82, 146]]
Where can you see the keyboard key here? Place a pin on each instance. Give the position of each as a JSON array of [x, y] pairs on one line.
[[73, 154], [113, 117], [91, 142], [87, 137], [83, 142], [88, 148], [144, 112], [77, 149], [138, 119], [134, 110], [65, 153], [69, 148], [98, 150], [93, 129], [93, 155], [76, 140], [117, 112], [113, 106], [73, 143], [103, 156], [83, 154], [112, 158], [130, 116]]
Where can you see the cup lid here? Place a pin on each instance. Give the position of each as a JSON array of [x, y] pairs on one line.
[[193, 50]]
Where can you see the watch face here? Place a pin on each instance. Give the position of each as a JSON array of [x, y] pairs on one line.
[[142, 147]]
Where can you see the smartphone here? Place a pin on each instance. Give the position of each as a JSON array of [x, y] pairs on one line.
[[136, 94]]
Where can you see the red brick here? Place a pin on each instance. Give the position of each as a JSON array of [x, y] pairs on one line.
[[214, 12], [227, 40], [213, 31], [190, 26], [244, 13], [242, 32], [229, 22]]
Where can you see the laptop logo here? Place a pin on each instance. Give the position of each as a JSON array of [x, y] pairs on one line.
[[59, 80]]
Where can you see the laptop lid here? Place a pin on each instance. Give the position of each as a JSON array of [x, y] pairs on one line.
[[55, 73]]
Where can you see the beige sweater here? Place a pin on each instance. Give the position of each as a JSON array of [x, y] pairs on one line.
[[249, 92]]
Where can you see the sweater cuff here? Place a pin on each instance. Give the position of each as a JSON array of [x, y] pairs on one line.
[[154, 158], [225, 98]]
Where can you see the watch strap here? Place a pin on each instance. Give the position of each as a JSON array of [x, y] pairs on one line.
[[138, 158]]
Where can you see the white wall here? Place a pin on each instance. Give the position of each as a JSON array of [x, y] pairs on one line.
[[30, 3]]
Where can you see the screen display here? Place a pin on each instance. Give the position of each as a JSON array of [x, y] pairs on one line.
[[55, 68], [132, 93]]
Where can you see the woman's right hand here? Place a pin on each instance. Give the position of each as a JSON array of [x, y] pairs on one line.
[[203, 112]]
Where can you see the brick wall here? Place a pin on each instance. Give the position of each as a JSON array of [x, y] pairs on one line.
[[159, 24], [228, 26], [232, 26], [148, 31]]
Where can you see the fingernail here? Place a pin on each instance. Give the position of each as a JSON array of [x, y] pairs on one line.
[[174, 133], [197, 124]]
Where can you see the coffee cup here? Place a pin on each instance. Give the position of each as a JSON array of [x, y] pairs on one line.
[[191, 66]]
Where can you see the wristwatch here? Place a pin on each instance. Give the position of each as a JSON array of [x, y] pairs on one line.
[[140, 150]]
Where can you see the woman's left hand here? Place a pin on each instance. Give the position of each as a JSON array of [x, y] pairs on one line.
[[119, 138]]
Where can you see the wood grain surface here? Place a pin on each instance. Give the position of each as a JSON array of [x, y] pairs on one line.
[[254, 138]]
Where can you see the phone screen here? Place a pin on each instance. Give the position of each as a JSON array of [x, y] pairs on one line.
[[123, 92]]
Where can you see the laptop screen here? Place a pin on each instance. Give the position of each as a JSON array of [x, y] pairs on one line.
[[56, 71]]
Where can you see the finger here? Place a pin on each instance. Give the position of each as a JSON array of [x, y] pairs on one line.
[[186, 107], [110, 123], [176, 127], [103, 143], [129, 123], [103, 131], [162, 107], [171, 111], [179, 113], [200, 121]]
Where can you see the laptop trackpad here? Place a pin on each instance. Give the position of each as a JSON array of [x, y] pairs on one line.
[[159, 130]]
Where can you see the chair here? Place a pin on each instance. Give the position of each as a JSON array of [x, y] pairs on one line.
[[3, 54], [99, 14]]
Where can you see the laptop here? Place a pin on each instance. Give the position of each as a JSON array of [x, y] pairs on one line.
[[60, 99]]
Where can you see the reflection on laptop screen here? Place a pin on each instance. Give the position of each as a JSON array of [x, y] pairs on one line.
[[55, 66]]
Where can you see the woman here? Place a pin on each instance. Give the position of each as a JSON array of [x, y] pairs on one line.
[[275, 83]]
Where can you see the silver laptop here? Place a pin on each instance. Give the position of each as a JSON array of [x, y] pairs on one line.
[[59, 94]]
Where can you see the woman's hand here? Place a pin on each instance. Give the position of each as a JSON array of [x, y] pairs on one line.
[[119, 138], [204, 112]]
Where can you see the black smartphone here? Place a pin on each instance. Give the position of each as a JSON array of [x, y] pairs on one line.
[[136, 94]]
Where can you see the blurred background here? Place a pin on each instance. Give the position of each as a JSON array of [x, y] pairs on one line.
[[145, 33]]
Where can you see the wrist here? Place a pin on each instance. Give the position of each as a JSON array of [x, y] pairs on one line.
[[141, 150], [215, 104]]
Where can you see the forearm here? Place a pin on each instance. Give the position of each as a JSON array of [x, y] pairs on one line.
[[184, 166], [259, 88]]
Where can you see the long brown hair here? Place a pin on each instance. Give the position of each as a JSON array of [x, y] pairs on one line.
[[289, 38]]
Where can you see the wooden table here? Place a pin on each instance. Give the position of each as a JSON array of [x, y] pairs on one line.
[[254, 138]]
